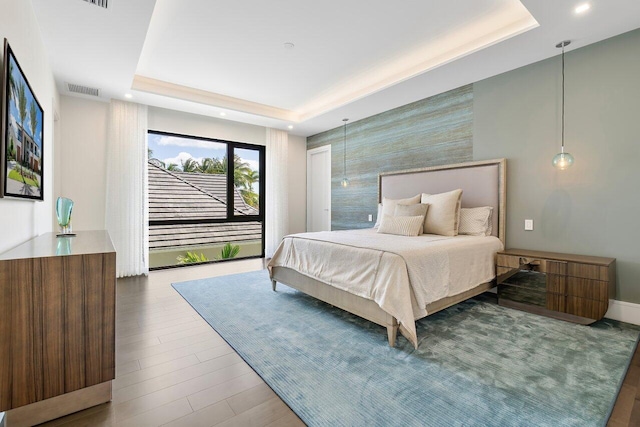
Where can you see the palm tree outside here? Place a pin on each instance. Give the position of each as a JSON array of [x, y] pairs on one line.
[[189, 165]]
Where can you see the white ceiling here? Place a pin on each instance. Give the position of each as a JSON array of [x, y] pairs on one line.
[[351, 59]]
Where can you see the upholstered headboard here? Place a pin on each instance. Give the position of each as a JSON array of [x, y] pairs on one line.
[[483, 183]]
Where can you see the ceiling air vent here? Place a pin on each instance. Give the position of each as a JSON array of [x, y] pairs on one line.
[[83, 90], [101, 3]]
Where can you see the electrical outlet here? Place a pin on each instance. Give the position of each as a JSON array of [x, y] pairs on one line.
[[528, 225], [370, 218]]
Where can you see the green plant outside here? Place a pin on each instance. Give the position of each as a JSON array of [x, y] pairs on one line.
[[192, 258], [229, 251]]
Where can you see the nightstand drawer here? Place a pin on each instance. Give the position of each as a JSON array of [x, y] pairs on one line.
[[585, 307], [585, 288], [576, 288], [531, 263], [588, 271], [508, 261]]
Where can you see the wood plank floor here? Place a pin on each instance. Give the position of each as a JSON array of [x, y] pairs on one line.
[[173, 369]]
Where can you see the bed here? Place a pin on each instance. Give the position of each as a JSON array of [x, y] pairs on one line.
[[394, 280]]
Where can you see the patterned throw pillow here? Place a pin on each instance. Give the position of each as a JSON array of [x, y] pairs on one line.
[[401, 225], [476, 221]]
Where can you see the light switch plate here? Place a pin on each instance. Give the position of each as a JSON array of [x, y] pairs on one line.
[[528, 225], [370, 218]]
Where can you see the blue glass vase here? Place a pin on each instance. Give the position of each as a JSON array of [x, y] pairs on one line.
[[64, 207]]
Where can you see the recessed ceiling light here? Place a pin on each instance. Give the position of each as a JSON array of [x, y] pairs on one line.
[[582, 8], [290, 126], [128, 95], [222, 113], [289, 45]]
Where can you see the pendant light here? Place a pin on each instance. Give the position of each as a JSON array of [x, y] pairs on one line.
[[562, 160], [345, 181]]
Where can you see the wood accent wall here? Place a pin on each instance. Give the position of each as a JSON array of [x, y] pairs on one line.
[[57, 326], [430, 132]]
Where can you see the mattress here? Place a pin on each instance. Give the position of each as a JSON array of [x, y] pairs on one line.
[[401, 274]]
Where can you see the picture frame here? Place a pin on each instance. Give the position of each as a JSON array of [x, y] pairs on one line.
[[22, 134]]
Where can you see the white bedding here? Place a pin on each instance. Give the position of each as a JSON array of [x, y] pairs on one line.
[[390, 269]]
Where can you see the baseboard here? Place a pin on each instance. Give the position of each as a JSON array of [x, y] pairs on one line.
[[624, 311]]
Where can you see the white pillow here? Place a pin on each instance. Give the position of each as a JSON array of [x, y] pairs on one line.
[[444, 213], [412, 210], [389, 206], [378, 216], [401, 225], [476, 221]]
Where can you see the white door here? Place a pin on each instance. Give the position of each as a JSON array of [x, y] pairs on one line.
[[319, 189]]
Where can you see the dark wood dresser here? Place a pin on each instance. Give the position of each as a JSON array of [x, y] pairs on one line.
[[576, 288], [57, 326]]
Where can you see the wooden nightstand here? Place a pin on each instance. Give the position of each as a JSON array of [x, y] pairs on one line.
[[576, 288]]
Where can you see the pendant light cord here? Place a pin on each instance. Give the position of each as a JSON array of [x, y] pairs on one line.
[[344, 151], [563, 97]]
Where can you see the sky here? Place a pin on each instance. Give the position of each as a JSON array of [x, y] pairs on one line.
[[174, 149], [13, 108]]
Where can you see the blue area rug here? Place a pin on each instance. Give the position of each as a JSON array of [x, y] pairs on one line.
[[478, 364]]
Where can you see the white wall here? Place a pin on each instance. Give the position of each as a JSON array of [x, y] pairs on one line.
[[297, 184], [82, 173], [161, 119], [21, 220], [82, 176]]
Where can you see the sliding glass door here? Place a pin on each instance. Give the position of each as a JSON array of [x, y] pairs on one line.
[[206, 200]]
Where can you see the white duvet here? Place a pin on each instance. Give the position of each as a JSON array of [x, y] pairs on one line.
[[389, 269]]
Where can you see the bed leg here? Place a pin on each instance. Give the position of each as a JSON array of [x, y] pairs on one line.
[[392, 332], [273, 285]]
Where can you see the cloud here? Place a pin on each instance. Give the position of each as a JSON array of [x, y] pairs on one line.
[[183, 156], [175, 141], [253, 164]]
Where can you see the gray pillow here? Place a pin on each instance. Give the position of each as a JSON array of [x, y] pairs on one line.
[[419, 209]]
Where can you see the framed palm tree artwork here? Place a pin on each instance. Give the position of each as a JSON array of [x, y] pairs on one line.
[[21, 148]]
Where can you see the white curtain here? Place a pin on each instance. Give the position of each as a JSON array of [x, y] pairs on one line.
[[127, 207], [277, 199]]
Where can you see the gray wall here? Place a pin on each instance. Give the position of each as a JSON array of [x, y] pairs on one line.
[[433, 131], [592, 208]]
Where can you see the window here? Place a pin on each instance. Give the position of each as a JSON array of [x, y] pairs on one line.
[[206, 200]]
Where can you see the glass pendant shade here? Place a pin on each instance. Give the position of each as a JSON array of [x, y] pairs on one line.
[[344, 182], [562, 161]]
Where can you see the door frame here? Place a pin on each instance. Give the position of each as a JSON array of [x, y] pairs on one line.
[[324, 148]]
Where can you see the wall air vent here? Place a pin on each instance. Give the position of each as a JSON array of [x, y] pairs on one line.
[[101, 3], [83, 90]]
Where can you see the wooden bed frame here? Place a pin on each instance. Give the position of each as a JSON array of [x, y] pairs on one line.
[[490, 174]]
